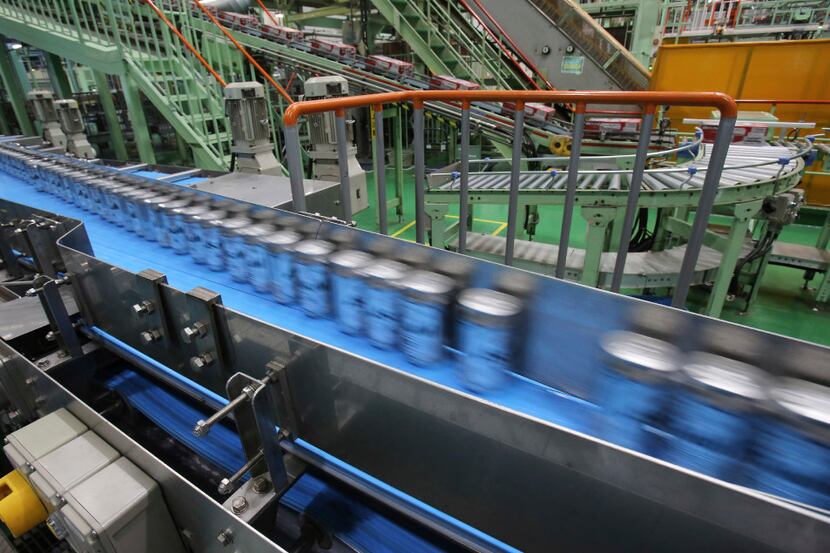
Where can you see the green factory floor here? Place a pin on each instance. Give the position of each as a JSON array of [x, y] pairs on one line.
[[783, 306]]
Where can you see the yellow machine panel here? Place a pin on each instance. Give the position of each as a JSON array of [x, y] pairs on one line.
[[780, 70]]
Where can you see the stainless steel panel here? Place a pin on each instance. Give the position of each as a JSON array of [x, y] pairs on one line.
[[273, 191], [505, 472], [198, 518]]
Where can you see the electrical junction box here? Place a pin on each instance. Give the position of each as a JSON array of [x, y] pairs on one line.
[[30, 443], [331, 86], [100, 502], [69, 465], [119, 509]]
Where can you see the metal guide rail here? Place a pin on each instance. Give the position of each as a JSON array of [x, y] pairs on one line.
[[377, 446], [647, 101]]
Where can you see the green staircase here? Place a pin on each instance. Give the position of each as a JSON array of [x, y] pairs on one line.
[[192, 106], [128, 40], [450, 41]]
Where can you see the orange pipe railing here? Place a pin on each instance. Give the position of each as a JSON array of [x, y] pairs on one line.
[[267, 12], [187, 44], [784, 102], [725, 103], [244, 51]]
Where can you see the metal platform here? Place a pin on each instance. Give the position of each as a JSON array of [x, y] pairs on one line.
[[273, 191], [800, 257], [642, 269]]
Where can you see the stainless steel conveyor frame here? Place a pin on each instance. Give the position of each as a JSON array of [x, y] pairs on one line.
[[483, 463]]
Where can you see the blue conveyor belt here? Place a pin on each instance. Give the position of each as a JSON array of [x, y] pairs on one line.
[[221, 446], [124, 249], [358, 524]]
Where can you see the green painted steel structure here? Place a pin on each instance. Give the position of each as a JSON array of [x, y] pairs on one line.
[[126, 40], [450, 41]]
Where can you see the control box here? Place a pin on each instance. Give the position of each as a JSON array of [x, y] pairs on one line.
[[97, 500]]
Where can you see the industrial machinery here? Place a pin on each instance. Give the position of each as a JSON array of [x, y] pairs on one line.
[[72, 125], [335, 389], [43, 104], [253, 148], [324, 139]]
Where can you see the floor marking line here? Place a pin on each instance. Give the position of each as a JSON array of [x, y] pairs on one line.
[[498, 230], [477, 220], [403, 229]]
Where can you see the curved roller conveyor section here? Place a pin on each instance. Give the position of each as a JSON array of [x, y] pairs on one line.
[[749, 167], [750, 173]]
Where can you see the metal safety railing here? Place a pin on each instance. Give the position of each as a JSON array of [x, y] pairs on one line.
[[733, 17], [648, 102]]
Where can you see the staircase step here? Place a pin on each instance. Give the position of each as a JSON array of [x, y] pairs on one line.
[[217, 137]]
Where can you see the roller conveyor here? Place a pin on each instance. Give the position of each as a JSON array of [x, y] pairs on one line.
[[745, 165]]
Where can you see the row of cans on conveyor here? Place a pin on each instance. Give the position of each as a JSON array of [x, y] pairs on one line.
[[412, 303], [717, 415], [778, 162]]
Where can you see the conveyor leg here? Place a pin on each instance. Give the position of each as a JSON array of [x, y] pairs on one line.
[[437, 213], [598, 219], [57, 75], [531, 220], [759, 271], [727, 267], [824, 237], [823, 292]]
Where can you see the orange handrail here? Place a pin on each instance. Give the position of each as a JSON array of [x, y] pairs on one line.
[[817, 102], [268, 13], [725, 103], [189, 46], [244, 52]]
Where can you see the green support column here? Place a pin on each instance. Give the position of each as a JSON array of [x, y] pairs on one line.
[[57, 75], [184, 150], [646, 20], [397, 131], [4, 126], [743, 214], [135, 112], [14, 90], [25, 83], [22, 76], [113, 123], [437, 230], [598, 219]]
